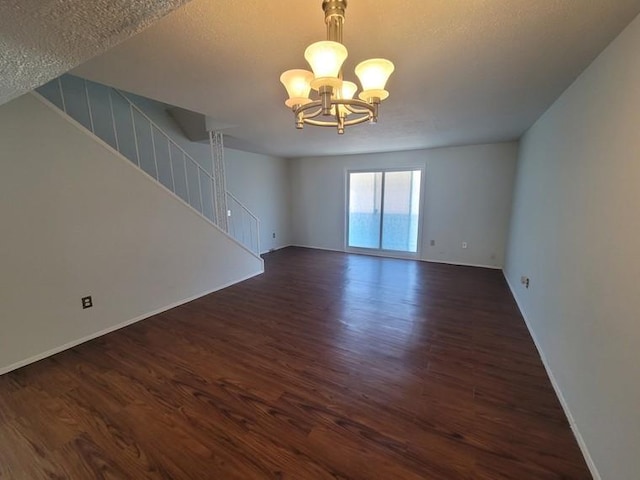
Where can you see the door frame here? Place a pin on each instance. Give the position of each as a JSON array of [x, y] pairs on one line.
[[417, 255]]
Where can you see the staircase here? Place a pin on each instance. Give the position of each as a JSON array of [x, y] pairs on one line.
[[111, 116]]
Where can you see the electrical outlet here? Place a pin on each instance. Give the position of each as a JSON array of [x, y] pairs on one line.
[[464, 244], [87, 302], [228, 213], [274, 234], [432, 243], [525, 281]]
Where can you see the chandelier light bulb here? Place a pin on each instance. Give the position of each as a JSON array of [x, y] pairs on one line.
[[373, 75], [346, 92], [298, 85], [326, 59]]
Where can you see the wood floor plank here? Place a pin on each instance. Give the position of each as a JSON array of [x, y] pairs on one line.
[[328, 366]]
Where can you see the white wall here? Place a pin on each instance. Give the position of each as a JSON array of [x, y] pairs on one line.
[[575, 232], [262, 183], [467, 199], [78, 220]]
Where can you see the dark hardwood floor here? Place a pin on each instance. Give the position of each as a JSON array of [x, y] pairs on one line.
[[328, 366]]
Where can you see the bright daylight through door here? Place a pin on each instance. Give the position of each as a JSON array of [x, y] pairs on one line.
[[384, 208]]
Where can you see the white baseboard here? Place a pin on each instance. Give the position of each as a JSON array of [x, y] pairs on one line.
[[494, 267], [462, 264], [118, 326], [317, 248], [556, 387], [274, 249], [359, 252]]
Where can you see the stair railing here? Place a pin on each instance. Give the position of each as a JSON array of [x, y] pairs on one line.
[[243, 225], [110, 115]]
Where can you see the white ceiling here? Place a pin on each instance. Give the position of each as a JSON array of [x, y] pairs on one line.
[[42, 39], [466, 71]]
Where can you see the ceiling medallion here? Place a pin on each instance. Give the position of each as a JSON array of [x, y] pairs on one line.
[[335, 105]]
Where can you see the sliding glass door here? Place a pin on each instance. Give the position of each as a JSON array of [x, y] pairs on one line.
[[365, 209], [384, 210]]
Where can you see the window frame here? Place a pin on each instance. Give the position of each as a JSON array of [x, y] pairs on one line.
[[381, 252]]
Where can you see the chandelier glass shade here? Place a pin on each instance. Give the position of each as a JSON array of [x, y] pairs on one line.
[[335, 105]]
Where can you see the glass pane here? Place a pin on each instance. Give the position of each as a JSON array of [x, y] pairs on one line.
[[365, 193], [401, 210]]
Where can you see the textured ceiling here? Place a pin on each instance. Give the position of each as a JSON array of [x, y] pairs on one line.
[[41, 39], [466, 71]]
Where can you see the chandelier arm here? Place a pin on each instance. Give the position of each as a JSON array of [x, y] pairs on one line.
[[321, 123], [349, 103], [334, 123], [299, 111], [352, 101], [313, 114], [357, 121], [358, 110]]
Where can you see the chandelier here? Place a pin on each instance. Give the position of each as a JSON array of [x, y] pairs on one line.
[[335, 105]]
